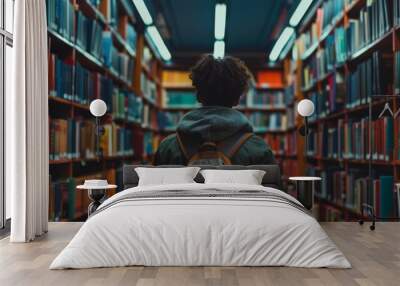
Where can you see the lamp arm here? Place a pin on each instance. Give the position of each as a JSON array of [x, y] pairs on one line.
[[305, 135]]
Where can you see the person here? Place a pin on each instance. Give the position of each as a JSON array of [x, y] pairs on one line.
[[219, 85]]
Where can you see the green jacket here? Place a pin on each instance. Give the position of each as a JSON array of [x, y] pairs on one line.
[[215, 123]]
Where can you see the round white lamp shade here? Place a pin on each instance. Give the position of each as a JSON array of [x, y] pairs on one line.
[[98, 107], [305, 108]]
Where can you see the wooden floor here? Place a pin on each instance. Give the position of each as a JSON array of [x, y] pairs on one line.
[[375, 257]]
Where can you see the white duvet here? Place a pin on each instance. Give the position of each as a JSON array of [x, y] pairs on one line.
[[200, 231]]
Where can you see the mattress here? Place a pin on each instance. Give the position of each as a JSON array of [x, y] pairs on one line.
[[201, 225]]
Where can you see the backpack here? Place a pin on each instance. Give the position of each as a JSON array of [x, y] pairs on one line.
[[212, 153]]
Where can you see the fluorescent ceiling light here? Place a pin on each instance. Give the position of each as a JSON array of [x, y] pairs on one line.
[[220, 21], [158, 43], [280, 43], [299, 12], [219, 49], [143, 12]]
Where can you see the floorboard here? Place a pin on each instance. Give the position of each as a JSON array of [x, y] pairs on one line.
[[375, 257]]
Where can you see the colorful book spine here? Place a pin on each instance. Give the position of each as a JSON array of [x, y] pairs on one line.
[[263, 122], [369, 78], [386, 201], [131, 36], [179, 98], [396, 13], [126, 106], [119, 63], [266, 99], [350, 190], [60, 18], [116, 141], [87, 85], [289, 94], [148, 87], [134, 107], [332, 9], [76, 139], [61, 79], [372, 23]]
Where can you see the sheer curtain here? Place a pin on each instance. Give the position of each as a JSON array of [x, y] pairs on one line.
[[27, 124]]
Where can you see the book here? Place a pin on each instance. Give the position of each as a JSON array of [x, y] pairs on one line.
[[397, 71], [94, 34], [332, 9], [116, 141], [289, 94], [372, 23], [309, 74], [131, 36], [119, 63], [174, 78], [148, 60], [271, 121], [396, 13], [71, 139], [290, 146], [60, 18], [134, 108], [109, 9], [351, 140], [386, 196], [269, 79], [76, 83], [126, 106], [148, 144], [172, 98], [81, 30], [148, 87], [369, 78], [61, 77], [265, 99], [87, 85]]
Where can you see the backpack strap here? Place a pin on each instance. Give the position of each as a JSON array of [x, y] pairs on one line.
[[228, 147], [183, 148], [231, 147]]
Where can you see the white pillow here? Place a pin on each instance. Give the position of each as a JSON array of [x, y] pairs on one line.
[[248, 177], [166, 176]]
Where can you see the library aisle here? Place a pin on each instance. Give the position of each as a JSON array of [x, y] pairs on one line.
[[343, 55]]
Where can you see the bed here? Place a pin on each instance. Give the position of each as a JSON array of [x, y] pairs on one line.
[[197, 224]]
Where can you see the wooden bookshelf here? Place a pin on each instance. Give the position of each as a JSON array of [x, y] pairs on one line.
[[67, 48], [294, 63]]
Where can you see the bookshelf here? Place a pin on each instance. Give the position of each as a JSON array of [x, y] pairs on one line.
[[339, 61], [97, 50]]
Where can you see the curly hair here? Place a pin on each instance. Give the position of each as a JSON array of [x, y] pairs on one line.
[[220, 82]]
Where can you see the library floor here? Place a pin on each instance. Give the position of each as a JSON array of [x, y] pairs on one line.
[[375, 257]]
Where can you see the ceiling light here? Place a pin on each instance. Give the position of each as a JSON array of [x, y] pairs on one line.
[[280, 43], [299, 12], [143, 12], [220, 21], [158, 43], [219, 49]]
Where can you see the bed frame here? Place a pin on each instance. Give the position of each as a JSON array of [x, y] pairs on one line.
[[272, 177]]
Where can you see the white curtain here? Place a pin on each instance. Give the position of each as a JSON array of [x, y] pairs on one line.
[[27, 124]]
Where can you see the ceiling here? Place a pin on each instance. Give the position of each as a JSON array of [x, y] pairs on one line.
[[252, 27]]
